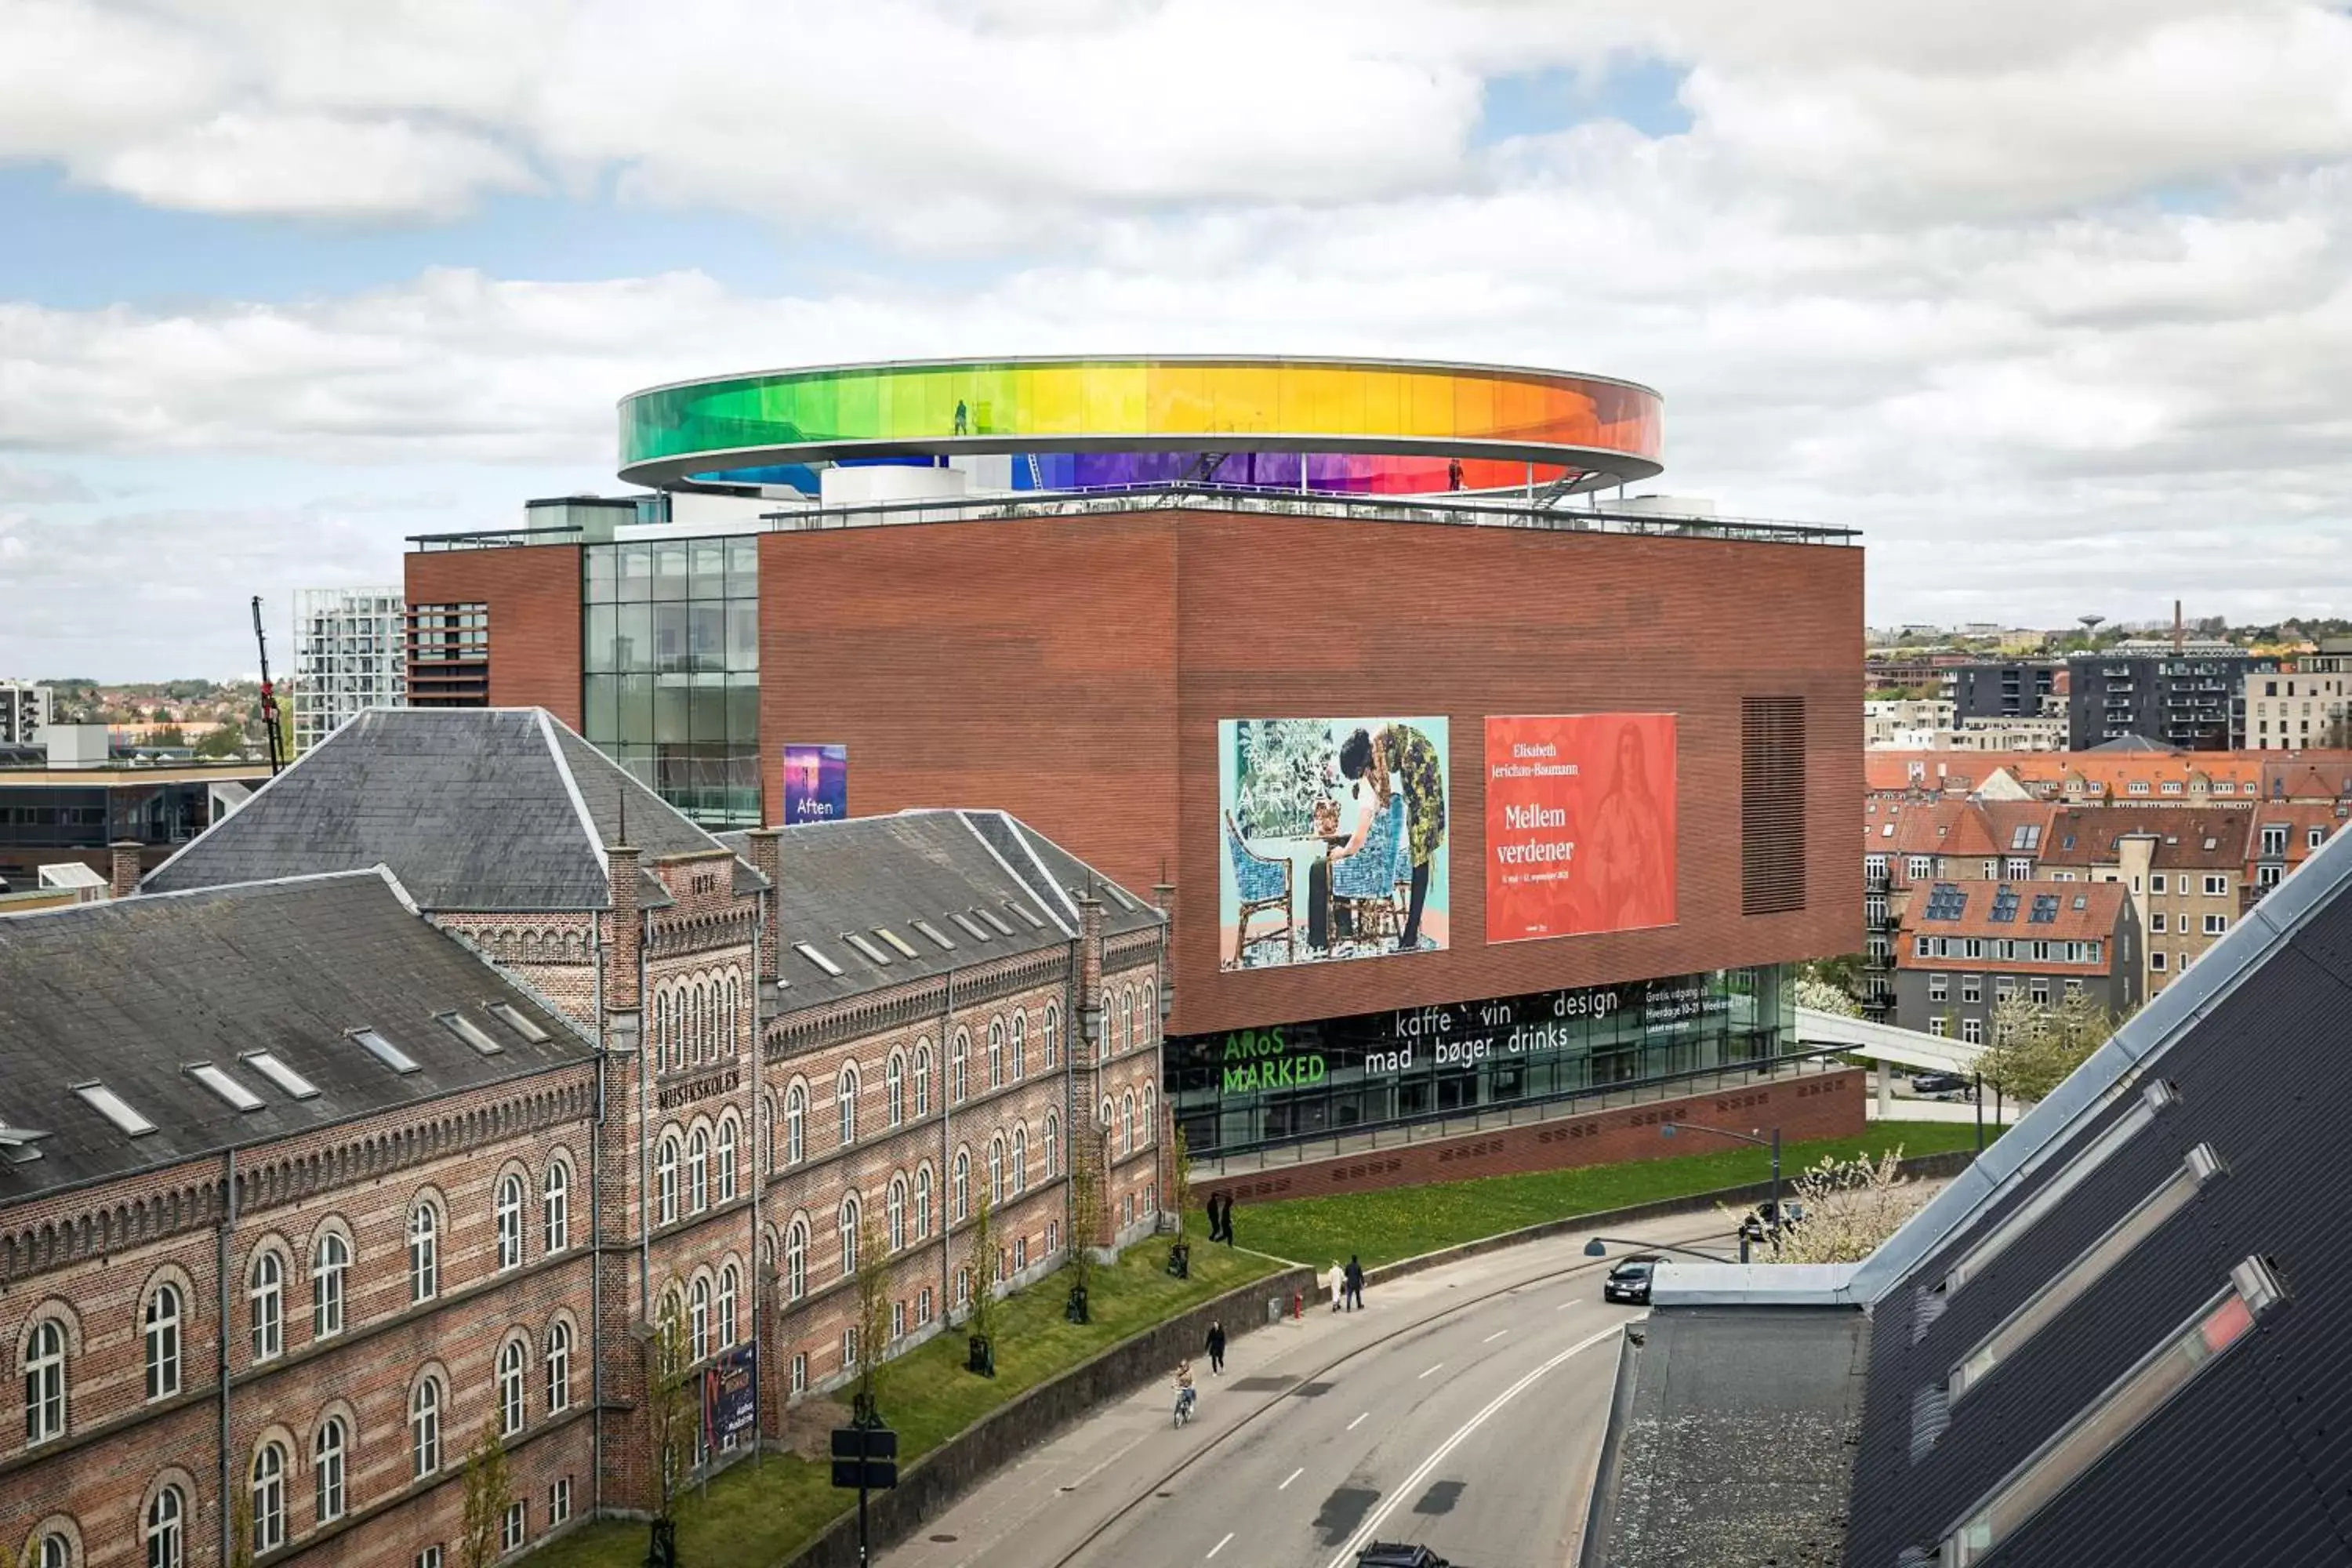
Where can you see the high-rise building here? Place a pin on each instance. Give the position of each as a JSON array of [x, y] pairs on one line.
[[349, 657], [2176, 692], [2005, 688], [25, 712]]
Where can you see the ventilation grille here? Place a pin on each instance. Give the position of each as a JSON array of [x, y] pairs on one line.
[[1772, 804], [1925, 1307], [1931, 1412]]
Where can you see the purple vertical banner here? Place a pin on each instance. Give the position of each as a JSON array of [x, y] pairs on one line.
[[817, 783], [731, 1395]]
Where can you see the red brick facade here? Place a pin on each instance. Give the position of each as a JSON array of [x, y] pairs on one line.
[[533, 594]]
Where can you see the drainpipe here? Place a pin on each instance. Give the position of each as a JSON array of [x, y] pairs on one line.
[[221, 1247], [946, 1189], [596, 1229]]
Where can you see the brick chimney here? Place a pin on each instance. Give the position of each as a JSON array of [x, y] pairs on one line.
[[763, 848], [123, 869], [628, 932], [1164, 893], [1091, 971]]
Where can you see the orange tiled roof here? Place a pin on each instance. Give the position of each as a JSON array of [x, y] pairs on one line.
[[2193, 839], [2082, 911]]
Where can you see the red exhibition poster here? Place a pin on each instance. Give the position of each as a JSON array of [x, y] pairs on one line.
[[1580, 823]]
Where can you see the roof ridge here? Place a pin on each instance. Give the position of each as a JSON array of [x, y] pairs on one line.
[[546, 723]]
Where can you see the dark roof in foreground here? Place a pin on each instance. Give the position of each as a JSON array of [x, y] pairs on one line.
[[1730, 1438], [472, 808], [134, 993]]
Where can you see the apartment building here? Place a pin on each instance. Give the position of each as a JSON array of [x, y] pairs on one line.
[[2186, 872], [1966, 948], [2305, 706], [350, 655]]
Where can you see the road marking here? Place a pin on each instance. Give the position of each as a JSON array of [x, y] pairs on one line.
[[1220, 1546], [1411, 1486], [1497, 1335], [1290, 1477], [1426, 1374], [1359, 1421]]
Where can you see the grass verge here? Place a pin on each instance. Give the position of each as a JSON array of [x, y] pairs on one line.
[[756, 1516], [1405, 1222]]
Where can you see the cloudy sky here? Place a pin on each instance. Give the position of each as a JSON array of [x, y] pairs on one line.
[[2050, 296]]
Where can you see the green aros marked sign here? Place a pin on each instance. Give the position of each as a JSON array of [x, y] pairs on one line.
[[1258, 1059]]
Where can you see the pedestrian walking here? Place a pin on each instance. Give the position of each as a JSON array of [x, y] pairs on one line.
[[1229, 1218], [1338, 1284], [1355, 1283], [1217, 1348], [1217, 1217]]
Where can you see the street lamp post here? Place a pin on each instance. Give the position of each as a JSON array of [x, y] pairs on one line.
[[1773, 1143]]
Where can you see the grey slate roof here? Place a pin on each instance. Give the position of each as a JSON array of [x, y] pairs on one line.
[[472, 808], [130, 993], [867, 874], [1729, 1442]]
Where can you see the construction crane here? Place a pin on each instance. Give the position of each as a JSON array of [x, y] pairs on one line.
[[269, 694]]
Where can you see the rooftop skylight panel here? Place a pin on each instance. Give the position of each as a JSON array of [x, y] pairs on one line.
[[384, 1051], [972, 928], [269, 1065], [238, 1097], [114, 1108], [470, 1032], [935, 933], [2044, 912], [867, 945], [993, 918], [906, 948], [819, 959], [515, 1018], [1026, 917]]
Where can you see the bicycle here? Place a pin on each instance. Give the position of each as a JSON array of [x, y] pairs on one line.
[[1184, 1397]]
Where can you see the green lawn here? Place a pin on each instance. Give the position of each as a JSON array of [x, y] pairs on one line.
[[1405, 1222], [756, 1518]]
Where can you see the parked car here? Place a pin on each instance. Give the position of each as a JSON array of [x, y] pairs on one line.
[[1939, 1084], [1397, 1554], [1758, 1224], [1629, 1281]]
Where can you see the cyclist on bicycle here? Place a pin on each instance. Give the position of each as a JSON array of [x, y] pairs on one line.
[[1184, 1391]]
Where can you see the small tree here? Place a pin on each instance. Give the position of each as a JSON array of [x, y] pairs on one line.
[[981, 1260], [487, 1497], [1180, 1183], [240, 1527], [873, 1312], [670, 1407], [1826, 996], [1085, 1215], [1850, 1206], [2036, 1045]]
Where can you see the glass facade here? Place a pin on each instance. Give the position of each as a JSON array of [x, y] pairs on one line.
[[1245, 1089], [671, 650]]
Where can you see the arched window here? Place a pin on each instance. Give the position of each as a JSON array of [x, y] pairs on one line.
[[922, 1079], [1150, 1013], [734, 1012], [264, 1304], [1150, 1127], [1052, 1144], [894, 1087], [555, 1205], [698, 1317], [996, 1170], [959, 1068], [1126, 1110], [1020, 1045], [425, 1427], [509, 1214], [702, 1031], [698, 1170], [164, 1536], [57, 1551], [1020, 1159], [960, 1193], [424, 1251], [727, 1160], [268, 1498], [327, 1458], [559, 1367], [725, 1325], [44, 1381], [163, 1335], [767, 1133], [1109, 1123], [666, 1180], [923, 1204], [894, 1212], [796, 1245], [996, 1053], [1127, 1015], [845, 1093], [850, 1235], [512, 1361], [795, 1124], [1051, 1042], [328, 1264]]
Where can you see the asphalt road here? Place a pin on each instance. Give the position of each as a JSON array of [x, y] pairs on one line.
[[1462, 1408]]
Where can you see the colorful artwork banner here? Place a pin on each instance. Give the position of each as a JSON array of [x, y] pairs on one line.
[[1580, 824], [817, 783]]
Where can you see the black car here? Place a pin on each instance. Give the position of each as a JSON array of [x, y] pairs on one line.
[[1629, 1281], [1939, 1083], [1397, 1554]]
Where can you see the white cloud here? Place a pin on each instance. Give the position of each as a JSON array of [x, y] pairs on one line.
[[314, 165]]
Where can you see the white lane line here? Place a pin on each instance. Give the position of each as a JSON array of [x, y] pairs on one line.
[[1290, 1477], [1426, 1374], [1220, 1546], [1359, 1421], [1411, 1483], [1497, 1335]]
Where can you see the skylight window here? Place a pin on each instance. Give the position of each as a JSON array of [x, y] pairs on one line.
[[2044, 912], [114, 1108], [470, 1032], [1946, 901], [384, 1051], [515, 1018], [238, 1097], [935, 933], [814, 956], [1026, 918], [2076, 1279], [2157, 1097], [906, 948], [2221, 1322], [993, 918], [866, 945], [971, 927], [2005, 906], [267, 1064]]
